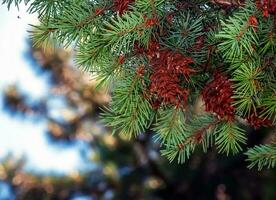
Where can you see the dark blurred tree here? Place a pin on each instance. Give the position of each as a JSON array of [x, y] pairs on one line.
[[123, 169]]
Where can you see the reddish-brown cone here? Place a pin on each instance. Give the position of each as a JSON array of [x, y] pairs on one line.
[[253, 22], [217, 96], [121, 6], [256, 121], [267, 6], [168, 67], [167, 88]]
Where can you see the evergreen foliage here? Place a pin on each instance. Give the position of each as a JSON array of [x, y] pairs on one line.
[[262, 156], [160, 57]]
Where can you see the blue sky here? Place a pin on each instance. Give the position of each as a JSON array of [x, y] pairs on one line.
[[23, 137]]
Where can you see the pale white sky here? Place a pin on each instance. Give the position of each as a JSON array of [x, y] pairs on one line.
[[25, 137]]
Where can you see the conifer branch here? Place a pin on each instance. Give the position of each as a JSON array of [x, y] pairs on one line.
[[158, 58], [229, 138], [262, 156]]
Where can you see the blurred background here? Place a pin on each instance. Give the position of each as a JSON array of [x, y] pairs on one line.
[[54, 147]]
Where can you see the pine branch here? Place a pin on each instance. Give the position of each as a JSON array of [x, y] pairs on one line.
[[268, 35], [70, 24], [229, 138], [199, 131], [262, 156], [43, 35], [15, 2], [91, 51], [47, 9], [170, 126], [269, 111], [158, 56], [129, 113], [237, 36], [154, 7], [247, 78], [244, 104], [122, 32], [186, 34]]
